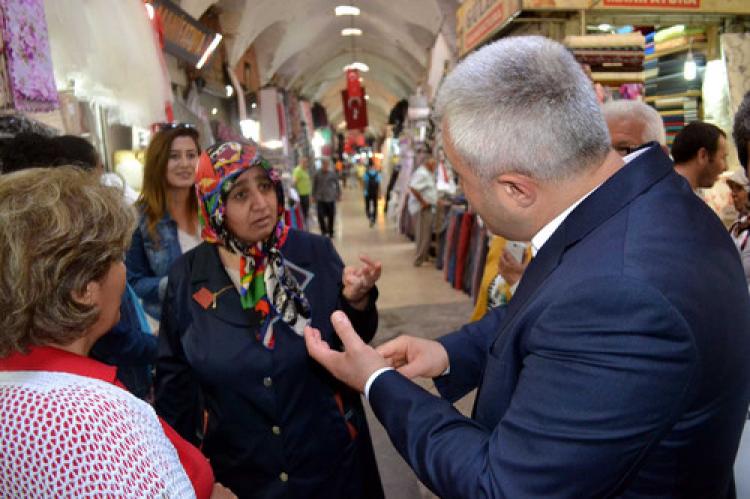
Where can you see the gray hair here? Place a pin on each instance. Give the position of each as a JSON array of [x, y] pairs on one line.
[[653, 126], [523, 104]]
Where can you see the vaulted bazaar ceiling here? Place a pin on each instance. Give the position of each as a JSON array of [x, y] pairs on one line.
[[298, 45]]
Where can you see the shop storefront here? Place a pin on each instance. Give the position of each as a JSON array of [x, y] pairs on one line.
[[683, 57]]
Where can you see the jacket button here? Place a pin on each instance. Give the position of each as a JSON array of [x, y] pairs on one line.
[[283, 476], [267, 382], [276, 430]]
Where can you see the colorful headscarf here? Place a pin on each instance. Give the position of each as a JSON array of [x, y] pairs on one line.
[[265, 284]]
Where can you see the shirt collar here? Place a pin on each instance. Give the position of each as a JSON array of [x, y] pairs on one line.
[[47, 358], [546, 232]]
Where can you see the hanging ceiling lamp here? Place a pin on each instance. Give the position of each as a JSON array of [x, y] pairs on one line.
[[347, 10]]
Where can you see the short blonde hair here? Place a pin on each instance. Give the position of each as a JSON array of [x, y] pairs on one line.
[[59, 230]]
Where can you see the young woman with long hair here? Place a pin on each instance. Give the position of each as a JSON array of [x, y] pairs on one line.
[[168, 224]]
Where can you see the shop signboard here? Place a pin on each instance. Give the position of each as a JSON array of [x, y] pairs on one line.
[[665, 4], [703, 6], [355, 109], [477, 20], [184, 37]]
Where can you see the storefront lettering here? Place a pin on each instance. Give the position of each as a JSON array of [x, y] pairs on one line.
[[673, 4]]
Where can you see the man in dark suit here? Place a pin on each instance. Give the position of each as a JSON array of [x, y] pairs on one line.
[[620, 367]]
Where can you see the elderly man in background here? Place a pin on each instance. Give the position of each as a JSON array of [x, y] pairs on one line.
[[422, 201], [700, 154], [619, 367], [632, 124]]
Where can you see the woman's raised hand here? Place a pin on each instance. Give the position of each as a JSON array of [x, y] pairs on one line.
[[358, 281]]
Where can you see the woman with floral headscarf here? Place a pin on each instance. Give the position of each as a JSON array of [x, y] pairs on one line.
[[233, 373]]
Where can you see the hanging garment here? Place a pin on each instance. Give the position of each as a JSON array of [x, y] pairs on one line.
[[27, 53]]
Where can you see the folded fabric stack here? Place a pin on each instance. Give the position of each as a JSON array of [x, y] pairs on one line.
[[678, 100], [464, 251], [615, 60]]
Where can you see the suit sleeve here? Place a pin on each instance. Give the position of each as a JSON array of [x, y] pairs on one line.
[[177, 391], [140, 275], [467, 354], [605, 373]]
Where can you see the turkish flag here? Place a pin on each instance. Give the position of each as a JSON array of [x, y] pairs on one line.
[[352, 83], [355, 110]]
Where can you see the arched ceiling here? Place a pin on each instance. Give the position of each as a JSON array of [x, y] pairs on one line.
[[298, 45]]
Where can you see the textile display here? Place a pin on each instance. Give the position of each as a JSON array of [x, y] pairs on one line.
[[735, 48], [479, 250], [677, 100], [462, 248], [614, 59], [462, 251], [26, 47], [111, 52]]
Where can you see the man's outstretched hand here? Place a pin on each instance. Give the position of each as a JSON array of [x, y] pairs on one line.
[[355, 364], [415, 357]]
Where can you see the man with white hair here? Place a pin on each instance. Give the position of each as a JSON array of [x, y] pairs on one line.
[[632, 124], [619, 367]]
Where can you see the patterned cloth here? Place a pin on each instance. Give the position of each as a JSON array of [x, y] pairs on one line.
[[265, 283], [27, 53]]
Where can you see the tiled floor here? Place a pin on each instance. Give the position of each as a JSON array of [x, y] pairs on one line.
[[412, 300]]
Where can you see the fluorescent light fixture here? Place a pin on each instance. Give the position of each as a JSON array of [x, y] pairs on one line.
[[351, 32], [230, 90], [273, 144], [214, 111], [690, 70], [209, 51], [150, 10], [250, 129], [360, 66], [605, 27], [347, 10]]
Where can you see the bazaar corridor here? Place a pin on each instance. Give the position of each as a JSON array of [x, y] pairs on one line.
[[413, 300], [414, 249]]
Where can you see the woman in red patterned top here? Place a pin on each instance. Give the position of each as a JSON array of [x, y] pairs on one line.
[[67, 427]]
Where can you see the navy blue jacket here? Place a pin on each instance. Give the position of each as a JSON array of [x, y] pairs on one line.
[[278, 424], [130, 348], [148, 262], [619, 368]]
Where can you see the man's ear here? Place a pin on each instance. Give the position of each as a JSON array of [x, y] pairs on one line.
[[88, 295], [518, 188], [703, 156]]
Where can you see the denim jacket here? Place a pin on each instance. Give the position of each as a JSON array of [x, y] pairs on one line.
[[148, 263]]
